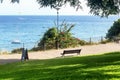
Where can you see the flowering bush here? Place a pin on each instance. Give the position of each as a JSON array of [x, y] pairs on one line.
[[61, 37]]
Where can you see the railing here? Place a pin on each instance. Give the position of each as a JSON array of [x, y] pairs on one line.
[[9, 47], [94, 39]]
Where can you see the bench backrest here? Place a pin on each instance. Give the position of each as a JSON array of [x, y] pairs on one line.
[[72, 51]]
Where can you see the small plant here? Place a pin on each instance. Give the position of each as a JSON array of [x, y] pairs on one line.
[[105, 41], [18, 50], [82, 42], [4, 52]]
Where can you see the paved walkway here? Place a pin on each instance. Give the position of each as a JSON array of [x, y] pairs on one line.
[[86, 50]]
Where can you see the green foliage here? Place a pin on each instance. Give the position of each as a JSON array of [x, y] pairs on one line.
[[97, 7], [104, 7], [19, 50], [105, 41], [13, 1], [97, 67], [48, 40], [114, 31], [37, 48], [62, 36], [65, 38], [59, 3], [82, 42], [4, 52]]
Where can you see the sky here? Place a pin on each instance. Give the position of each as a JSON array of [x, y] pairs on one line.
[[31, 7]]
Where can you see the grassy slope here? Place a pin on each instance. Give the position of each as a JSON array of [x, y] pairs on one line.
[[99, 67]]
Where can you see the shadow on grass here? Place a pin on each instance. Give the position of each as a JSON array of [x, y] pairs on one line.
[[99, 67], [5, 61]]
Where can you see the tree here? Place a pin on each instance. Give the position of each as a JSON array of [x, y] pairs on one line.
[[13, 1], [104, 7], [59, 3], [97, 7], [114, 31]]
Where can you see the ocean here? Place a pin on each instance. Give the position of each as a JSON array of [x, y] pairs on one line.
[[29, 29]]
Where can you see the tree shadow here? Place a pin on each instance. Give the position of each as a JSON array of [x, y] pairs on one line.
[[99, 67], [6, 61]]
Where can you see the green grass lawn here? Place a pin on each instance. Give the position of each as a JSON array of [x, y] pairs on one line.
[[97, 67]]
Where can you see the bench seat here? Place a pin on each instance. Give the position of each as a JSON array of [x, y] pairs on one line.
[[71, 52]]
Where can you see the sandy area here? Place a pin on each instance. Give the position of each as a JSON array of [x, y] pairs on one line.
[[86, 50]]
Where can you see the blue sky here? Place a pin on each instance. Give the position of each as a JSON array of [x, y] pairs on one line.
[[31, 7]]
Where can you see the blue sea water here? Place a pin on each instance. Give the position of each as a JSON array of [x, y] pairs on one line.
[[30, 29]]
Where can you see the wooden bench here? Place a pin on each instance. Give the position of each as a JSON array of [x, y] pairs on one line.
[[71, 52]]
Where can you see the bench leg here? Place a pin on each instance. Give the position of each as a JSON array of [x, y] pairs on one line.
[[78, 53], [62, 54]]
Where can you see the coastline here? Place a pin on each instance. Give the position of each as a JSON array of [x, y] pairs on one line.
[[39, 55], [30, 29]]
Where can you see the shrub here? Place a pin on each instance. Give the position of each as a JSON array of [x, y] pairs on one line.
[[114, 31], [82, 42], [62, 36], [35, 49], [105, 41], [48, 40], [3, 52], [18, 50]]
